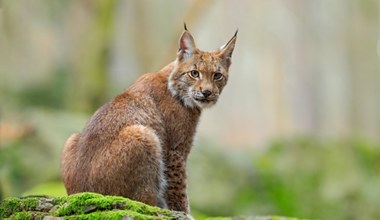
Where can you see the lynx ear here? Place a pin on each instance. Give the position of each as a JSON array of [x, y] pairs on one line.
[[186, 45], [227, 49]]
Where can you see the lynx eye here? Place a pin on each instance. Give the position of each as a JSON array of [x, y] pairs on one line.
[[218, 76], [194, 74]]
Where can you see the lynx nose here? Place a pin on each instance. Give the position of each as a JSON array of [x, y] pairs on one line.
[[206, 93]]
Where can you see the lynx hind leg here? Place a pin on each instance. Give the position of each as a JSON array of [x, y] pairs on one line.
[[132, 167], [68, 161]]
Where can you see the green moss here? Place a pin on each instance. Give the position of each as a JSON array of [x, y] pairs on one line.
[[25, 215], [94, 206], [118, 214], [16, 205], [84, 203], [81, 206]]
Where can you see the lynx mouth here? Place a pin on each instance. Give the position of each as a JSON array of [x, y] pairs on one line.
[[203, 100]]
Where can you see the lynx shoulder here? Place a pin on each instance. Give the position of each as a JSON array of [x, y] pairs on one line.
[[137, 144]]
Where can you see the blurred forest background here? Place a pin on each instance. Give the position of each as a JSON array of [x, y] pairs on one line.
[[296, 131]]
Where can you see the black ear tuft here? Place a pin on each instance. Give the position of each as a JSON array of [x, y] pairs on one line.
[[237, 30], [184, 25]]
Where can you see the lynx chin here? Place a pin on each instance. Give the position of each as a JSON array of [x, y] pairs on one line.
[[137, 144]]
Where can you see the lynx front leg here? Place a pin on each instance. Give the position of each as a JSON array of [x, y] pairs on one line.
[[176, 193]]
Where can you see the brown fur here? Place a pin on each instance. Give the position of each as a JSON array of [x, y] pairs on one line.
[[137, 144]]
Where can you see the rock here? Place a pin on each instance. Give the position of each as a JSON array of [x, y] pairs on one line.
[[92, 206], [82, 206]]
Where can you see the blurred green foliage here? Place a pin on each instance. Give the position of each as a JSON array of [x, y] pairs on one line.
[[31, 145], [305, 177], [53, 188], [49, 93]]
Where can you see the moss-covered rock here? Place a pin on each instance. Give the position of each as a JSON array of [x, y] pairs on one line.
[[93, 206], [82, 206]]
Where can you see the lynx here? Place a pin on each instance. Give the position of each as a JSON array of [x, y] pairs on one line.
[[137, 144]]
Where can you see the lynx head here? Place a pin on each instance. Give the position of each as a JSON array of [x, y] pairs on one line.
[[199, 77]]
